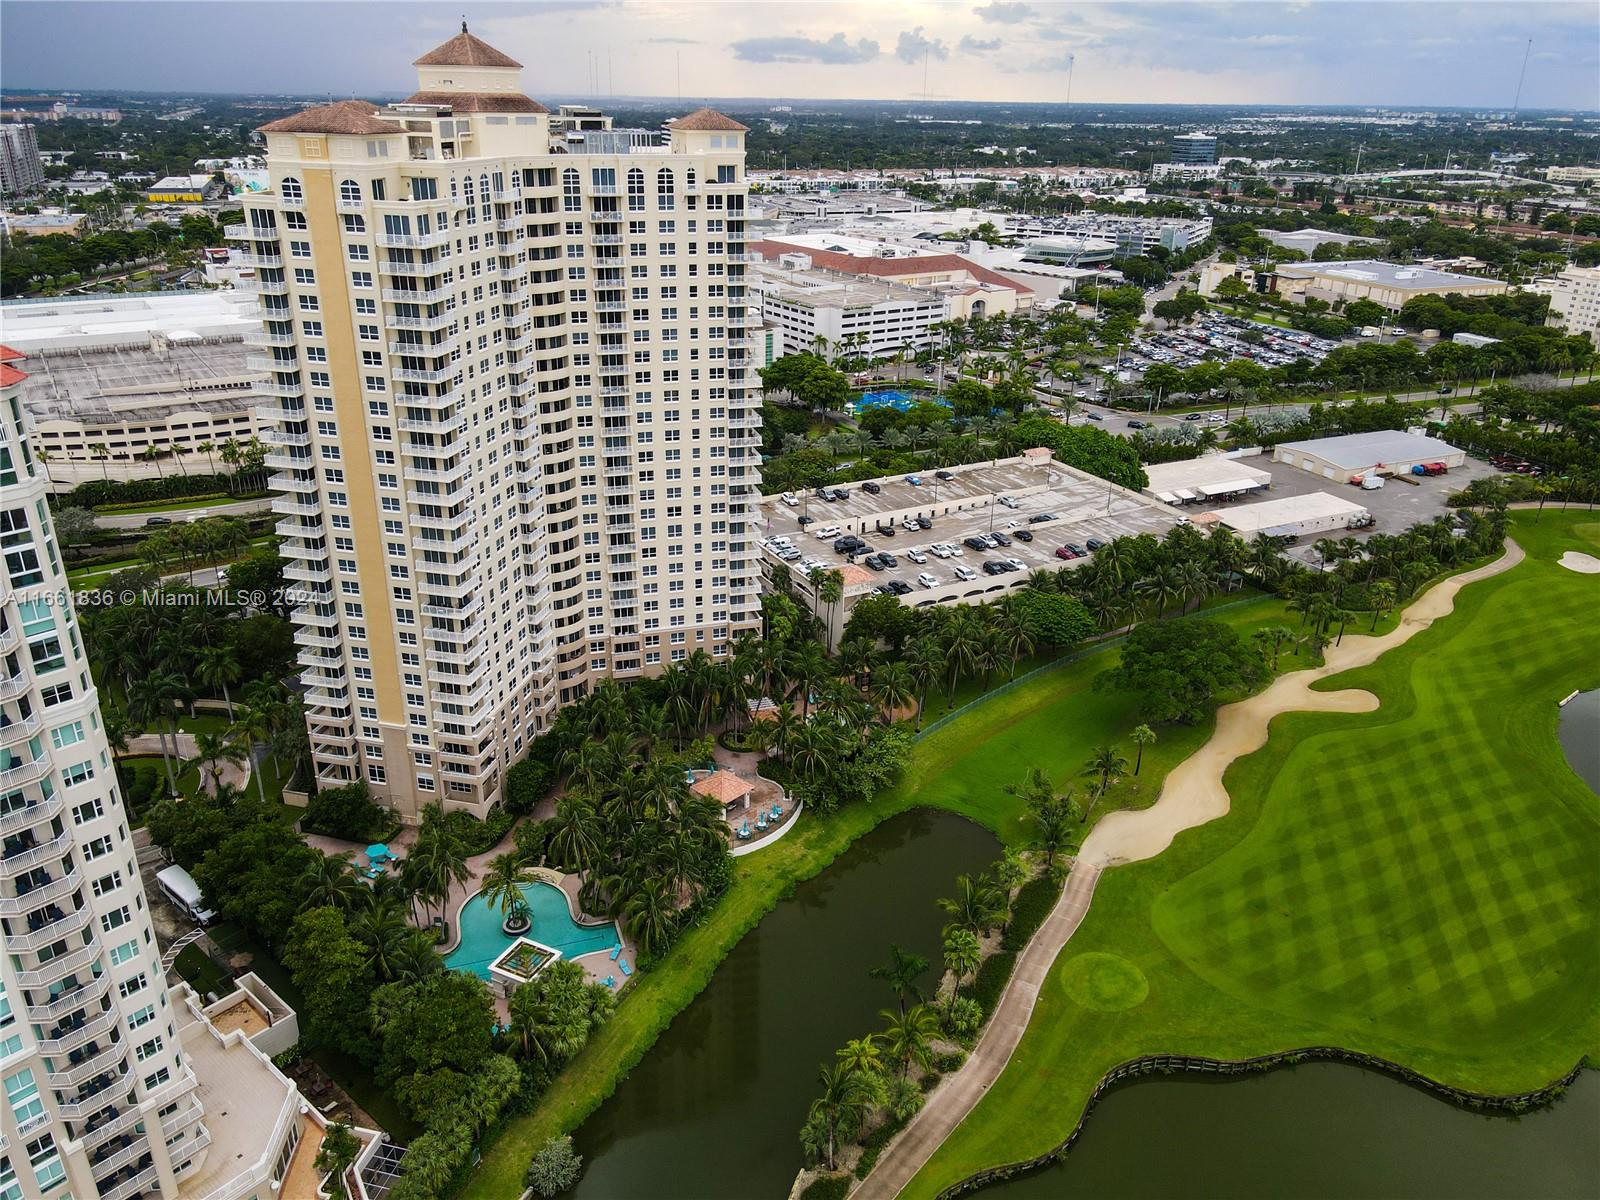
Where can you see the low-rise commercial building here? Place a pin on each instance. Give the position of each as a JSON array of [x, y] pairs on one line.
[[1205, 478], [813, 307], [968, 289], [1351, 454], [186, 189], [1292, 516], [1388, 284]]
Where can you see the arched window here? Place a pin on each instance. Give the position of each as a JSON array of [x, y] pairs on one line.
[[571, 190], [484, 195], [664, 186], [350, 190], [635, 190], [688, 182], [467, 189], [289, 189]]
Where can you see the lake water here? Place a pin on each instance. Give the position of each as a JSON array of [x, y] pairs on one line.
[[1580, 736], [714, 1110], [1319, 1131]]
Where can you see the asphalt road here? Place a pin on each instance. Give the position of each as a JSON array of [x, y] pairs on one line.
[[178, 516]]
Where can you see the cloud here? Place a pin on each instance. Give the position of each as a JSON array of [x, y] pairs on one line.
[[836, 51], [1003, 13], [913, 47], [972, 45], [673, 41]]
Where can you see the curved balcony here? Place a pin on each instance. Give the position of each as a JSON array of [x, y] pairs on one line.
[[52, 931], [12, 906]]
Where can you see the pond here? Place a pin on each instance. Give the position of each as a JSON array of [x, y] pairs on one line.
[[1327, 1131], [1580, 736], [714, 1110]]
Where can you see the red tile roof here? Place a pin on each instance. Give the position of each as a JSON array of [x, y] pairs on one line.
[[464, 50], [888, 268], [486, 102], [707, 118], [343, 116], [7, 354], [10, 376]]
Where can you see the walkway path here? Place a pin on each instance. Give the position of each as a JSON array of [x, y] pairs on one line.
[[1192, 795], [233, 774]]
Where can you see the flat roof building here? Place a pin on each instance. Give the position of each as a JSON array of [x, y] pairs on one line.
[[1385, 283], [1340, 458], [1203, 478], [808, 304], [1194, 148], [1291, 516], [1574, 301]]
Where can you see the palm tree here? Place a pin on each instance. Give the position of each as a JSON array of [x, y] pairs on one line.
[[861, 1056], [101, 453], [901, 973], [923, 665], [844, 1102], [649, 917], [150, 704], [329, 882], [502, 883], [211, 751], [908, 1036], [217, 667], [892, 686], [384, 933], [961, 958], [1141, 736], [978, 904], [1106, 764], [252, 723]]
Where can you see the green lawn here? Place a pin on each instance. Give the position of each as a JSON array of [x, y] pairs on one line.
[[1053, 720], [1418, 882], [179, 505]]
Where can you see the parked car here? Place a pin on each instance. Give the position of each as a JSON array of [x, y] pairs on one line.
[[927, 580], [1023, 535], [1077, 550], [898, 587], [1039, 518], [940, 550], [965, 573], [1094, 544], [840, 494], [916, 556], [909, 524], [888, 559], [924, 522], [872, 489], [999, 539], [1008, 501], [975, 542], [945, 475], [914, 480], [790, 498], [1065, 552], [826, 532], [804, 521], [883, 530], [848, 544], [995, 567], [873, 562]]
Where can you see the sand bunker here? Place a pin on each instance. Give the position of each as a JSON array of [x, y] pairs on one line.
[[1193, 793], [1584, 564]]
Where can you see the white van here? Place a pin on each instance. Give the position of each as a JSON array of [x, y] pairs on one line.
[[179, 887]]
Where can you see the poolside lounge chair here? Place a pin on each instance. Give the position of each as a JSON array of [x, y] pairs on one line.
[[610, 981], [615, 950], [626, 969]]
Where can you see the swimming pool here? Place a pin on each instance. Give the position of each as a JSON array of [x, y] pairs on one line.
[[482, 941]]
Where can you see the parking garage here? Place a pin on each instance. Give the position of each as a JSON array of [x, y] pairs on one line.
[[1049, 504]]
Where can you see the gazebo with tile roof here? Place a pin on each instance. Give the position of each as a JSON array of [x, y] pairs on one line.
[[724, 787]]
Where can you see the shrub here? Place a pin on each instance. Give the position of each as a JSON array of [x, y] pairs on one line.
[[1034, 901], [555, 1167], [99, 493], [479, 836], [964, 1021], [827, 1187], [872, 1145], [906, 1098], [950, 1061], [347, 812], [527, 783], [990, 980]]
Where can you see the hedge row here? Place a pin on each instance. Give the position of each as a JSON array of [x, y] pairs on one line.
[[1034, 901], [138, 504], [990, 980], [93, 493]]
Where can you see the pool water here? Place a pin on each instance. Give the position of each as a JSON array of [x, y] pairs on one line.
[[895, 399], [482, 941]]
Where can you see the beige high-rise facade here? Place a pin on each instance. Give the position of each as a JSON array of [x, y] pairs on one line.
[[514, 419]]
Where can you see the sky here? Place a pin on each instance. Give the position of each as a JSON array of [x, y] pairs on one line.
[[1406, 52]]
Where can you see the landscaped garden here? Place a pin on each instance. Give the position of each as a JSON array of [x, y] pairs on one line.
[[1416, 883]]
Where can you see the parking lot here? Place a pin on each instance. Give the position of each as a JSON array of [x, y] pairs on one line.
[[1079, 507], [1219, 337]]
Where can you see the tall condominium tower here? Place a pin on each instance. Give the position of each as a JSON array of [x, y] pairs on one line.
[[514, 418], [21, 170], [89, 1042], [115, 1087]]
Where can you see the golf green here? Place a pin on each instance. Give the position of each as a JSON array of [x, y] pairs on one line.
[[1419, 882]]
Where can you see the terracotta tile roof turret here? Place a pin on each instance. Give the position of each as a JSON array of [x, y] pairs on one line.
[[464, 50], [345, 116], [702, 119]]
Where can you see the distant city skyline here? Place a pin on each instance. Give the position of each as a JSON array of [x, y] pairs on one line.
[[1323, 52]]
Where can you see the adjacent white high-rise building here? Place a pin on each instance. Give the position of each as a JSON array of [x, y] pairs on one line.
[[515, 419], [1574, 301], [114, 1086]]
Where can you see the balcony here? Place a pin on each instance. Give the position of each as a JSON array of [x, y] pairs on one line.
[[15, 733], [23, 860], [427, 349], [264, 287], [59, 968], [286, 506], [261, 337], [606, 239], [286, 391], [439, 426], [451, 477], [417, 296], [412, 268], [69, 1002], [24, 772], [82, 1072], [429, 323], [89, 1104], [51, 931], [306, 573], [245, 258], [18, 819], [413, 375], [251, 233], [413, 241]]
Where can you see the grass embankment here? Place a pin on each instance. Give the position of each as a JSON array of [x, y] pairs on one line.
[[182, 504], [1053, 719], [1417, 883], [85, 577]]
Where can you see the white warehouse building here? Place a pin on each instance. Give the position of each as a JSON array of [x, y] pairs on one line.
[[1351, 454], [1292, 516]]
